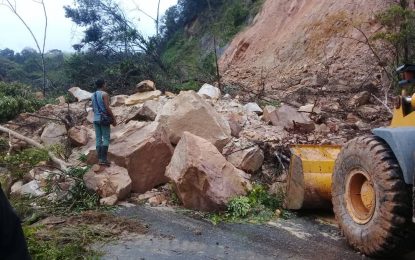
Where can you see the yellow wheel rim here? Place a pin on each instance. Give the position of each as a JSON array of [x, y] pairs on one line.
[[360, 196]]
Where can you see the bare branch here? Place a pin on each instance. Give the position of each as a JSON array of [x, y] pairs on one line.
[[384, 104], [143, 12], [12, 6]]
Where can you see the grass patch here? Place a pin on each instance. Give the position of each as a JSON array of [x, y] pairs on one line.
[[71, 237], [257, 207], [274, 103]]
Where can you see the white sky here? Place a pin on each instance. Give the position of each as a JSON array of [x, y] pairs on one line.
[[62, 32]]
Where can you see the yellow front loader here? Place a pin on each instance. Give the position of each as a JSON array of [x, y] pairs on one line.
[[368, 182]]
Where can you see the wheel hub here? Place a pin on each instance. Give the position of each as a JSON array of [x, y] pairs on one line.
[[360, 196], [368, 195]]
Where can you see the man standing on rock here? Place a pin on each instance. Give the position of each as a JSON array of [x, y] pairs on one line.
[[103, 118]]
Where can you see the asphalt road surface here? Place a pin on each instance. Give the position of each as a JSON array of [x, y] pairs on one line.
[[174, 235]]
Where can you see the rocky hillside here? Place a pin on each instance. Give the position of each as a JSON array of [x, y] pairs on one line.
[[307, 52]]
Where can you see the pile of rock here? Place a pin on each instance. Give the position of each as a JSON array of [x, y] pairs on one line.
[[206, 145]]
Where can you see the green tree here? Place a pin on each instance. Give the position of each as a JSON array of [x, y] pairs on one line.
[[398, 32]]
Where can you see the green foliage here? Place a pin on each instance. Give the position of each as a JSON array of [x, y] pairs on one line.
[[191, 85], [274, 103], [16, 98], [24, 67], [22, 162], [63, 244], [61, 150], [257, 207], [190, 55], [398, 22], [3, 144], [239, 207], [79, 197], [83, 158]]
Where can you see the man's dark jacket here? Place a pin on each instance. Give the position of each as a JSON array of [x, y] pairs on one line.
[[12, 242]]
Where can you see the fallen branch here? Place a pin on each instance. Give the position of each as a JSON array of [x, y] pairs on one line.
[[60, 163], [384, 105]]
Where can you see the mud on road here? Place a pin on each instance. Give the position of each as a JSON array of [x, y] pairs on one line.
[[174, 235]]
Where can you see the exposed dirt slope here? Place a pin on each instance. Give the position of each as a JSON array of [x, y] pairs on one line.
[[294, 50]]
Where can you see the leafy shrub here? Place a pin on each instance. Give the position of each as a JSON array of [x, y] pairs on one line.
[[191, 85], [79, 197], [20, 163], [257, 207], [239, 207], [17, 98]]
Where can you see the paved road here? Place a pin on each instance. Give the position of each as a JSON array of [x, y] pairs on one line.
[[174, 235]]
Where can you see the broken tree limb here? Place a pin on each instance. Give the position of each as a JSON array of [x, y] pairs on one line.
[[60, 163]]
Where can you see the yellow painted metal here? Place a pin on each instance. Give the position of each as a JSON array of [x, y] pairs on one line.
[[317, 163], [367, 194], [400, 120]]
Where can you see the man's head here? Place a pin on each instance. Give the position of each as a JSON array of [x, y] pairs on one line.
[[100, 84]]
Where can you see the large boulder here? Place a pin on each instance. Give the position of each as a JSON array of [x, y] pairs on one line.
[[80, 94], [202, 177], [289, 118], [117, 101], [145, 152], [190, 112], [140, 98], [244, 155], [53, 134], [148, 111], [145, 86], [209, 91], [78, 136], [109, 181]]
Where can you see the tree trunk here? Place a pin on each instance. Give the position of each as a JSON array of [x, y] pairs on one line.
[[44, 74], [158, 19], [60, 163]]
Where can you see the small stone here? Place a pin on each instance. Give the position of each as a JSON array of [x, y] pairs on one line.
[[32, 189], [16, 188], [109, 201], [254, 108], [157, 200], [360, 99]]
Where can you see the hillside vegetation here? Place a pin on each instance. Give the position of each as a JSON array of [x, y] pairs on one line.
[[180, 57]]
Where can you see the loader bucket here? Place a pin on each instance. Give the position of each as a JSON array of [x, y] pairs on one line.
[[310, 176]]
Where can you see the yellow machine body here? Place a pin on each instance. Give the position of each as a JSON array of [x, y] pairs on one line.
[[312, 166], [310, 176], [402, 114]]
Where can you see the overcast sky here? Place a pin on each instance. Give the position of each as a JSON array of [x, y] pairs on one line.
[[62, 33]]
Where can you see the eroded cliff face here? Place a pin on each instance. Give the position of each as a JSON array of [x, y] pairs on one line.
[[300, 50]]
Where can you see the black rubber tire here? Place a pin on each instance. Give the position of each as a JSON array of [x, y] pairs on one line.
[[390, 230]]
